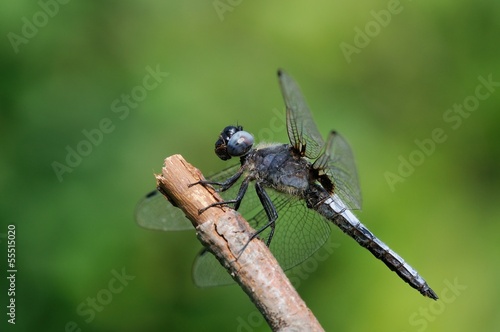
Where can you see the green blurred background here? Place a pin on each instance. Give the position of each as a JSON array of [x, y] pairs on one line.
[[65, 72]]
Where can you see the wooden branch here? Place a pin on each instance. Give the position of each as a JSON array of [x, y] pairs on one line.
[[224, 232]]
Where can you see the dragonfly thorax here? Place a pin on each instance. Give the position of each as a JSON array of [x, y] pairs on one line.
[[276, 166]]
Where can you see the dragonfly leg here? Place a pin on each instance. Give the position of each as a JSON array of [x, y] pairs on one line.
[[271, 213], [223, 186], [236, 201]]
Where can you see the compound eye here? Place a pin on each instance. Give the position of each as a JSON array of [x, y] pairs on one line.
[[221, 150], [228, 132], [224, 137], [239, 144]]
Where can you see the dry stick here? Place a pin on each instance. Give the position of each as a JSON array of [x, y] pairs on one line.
[[224, 232]]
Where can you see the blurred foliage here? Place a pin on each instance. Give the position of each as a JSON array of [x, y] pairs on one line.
[[68, 71]]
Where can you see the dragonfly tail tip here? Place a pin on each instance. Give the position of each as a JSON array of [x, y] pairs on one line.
[[430, 293]]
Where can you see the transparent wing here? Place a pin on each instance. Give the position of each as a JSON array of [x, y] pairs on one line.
[[155, 212], [208, 272], [299, 233], [302, 131], [335, 158], [337, 161]]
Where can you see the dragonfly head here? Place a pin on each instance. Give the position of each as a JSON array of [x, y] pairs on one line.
[[233, 142]]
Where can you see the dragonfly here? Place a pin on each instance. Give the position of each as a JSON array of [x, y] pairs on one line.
[[301, 188]]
